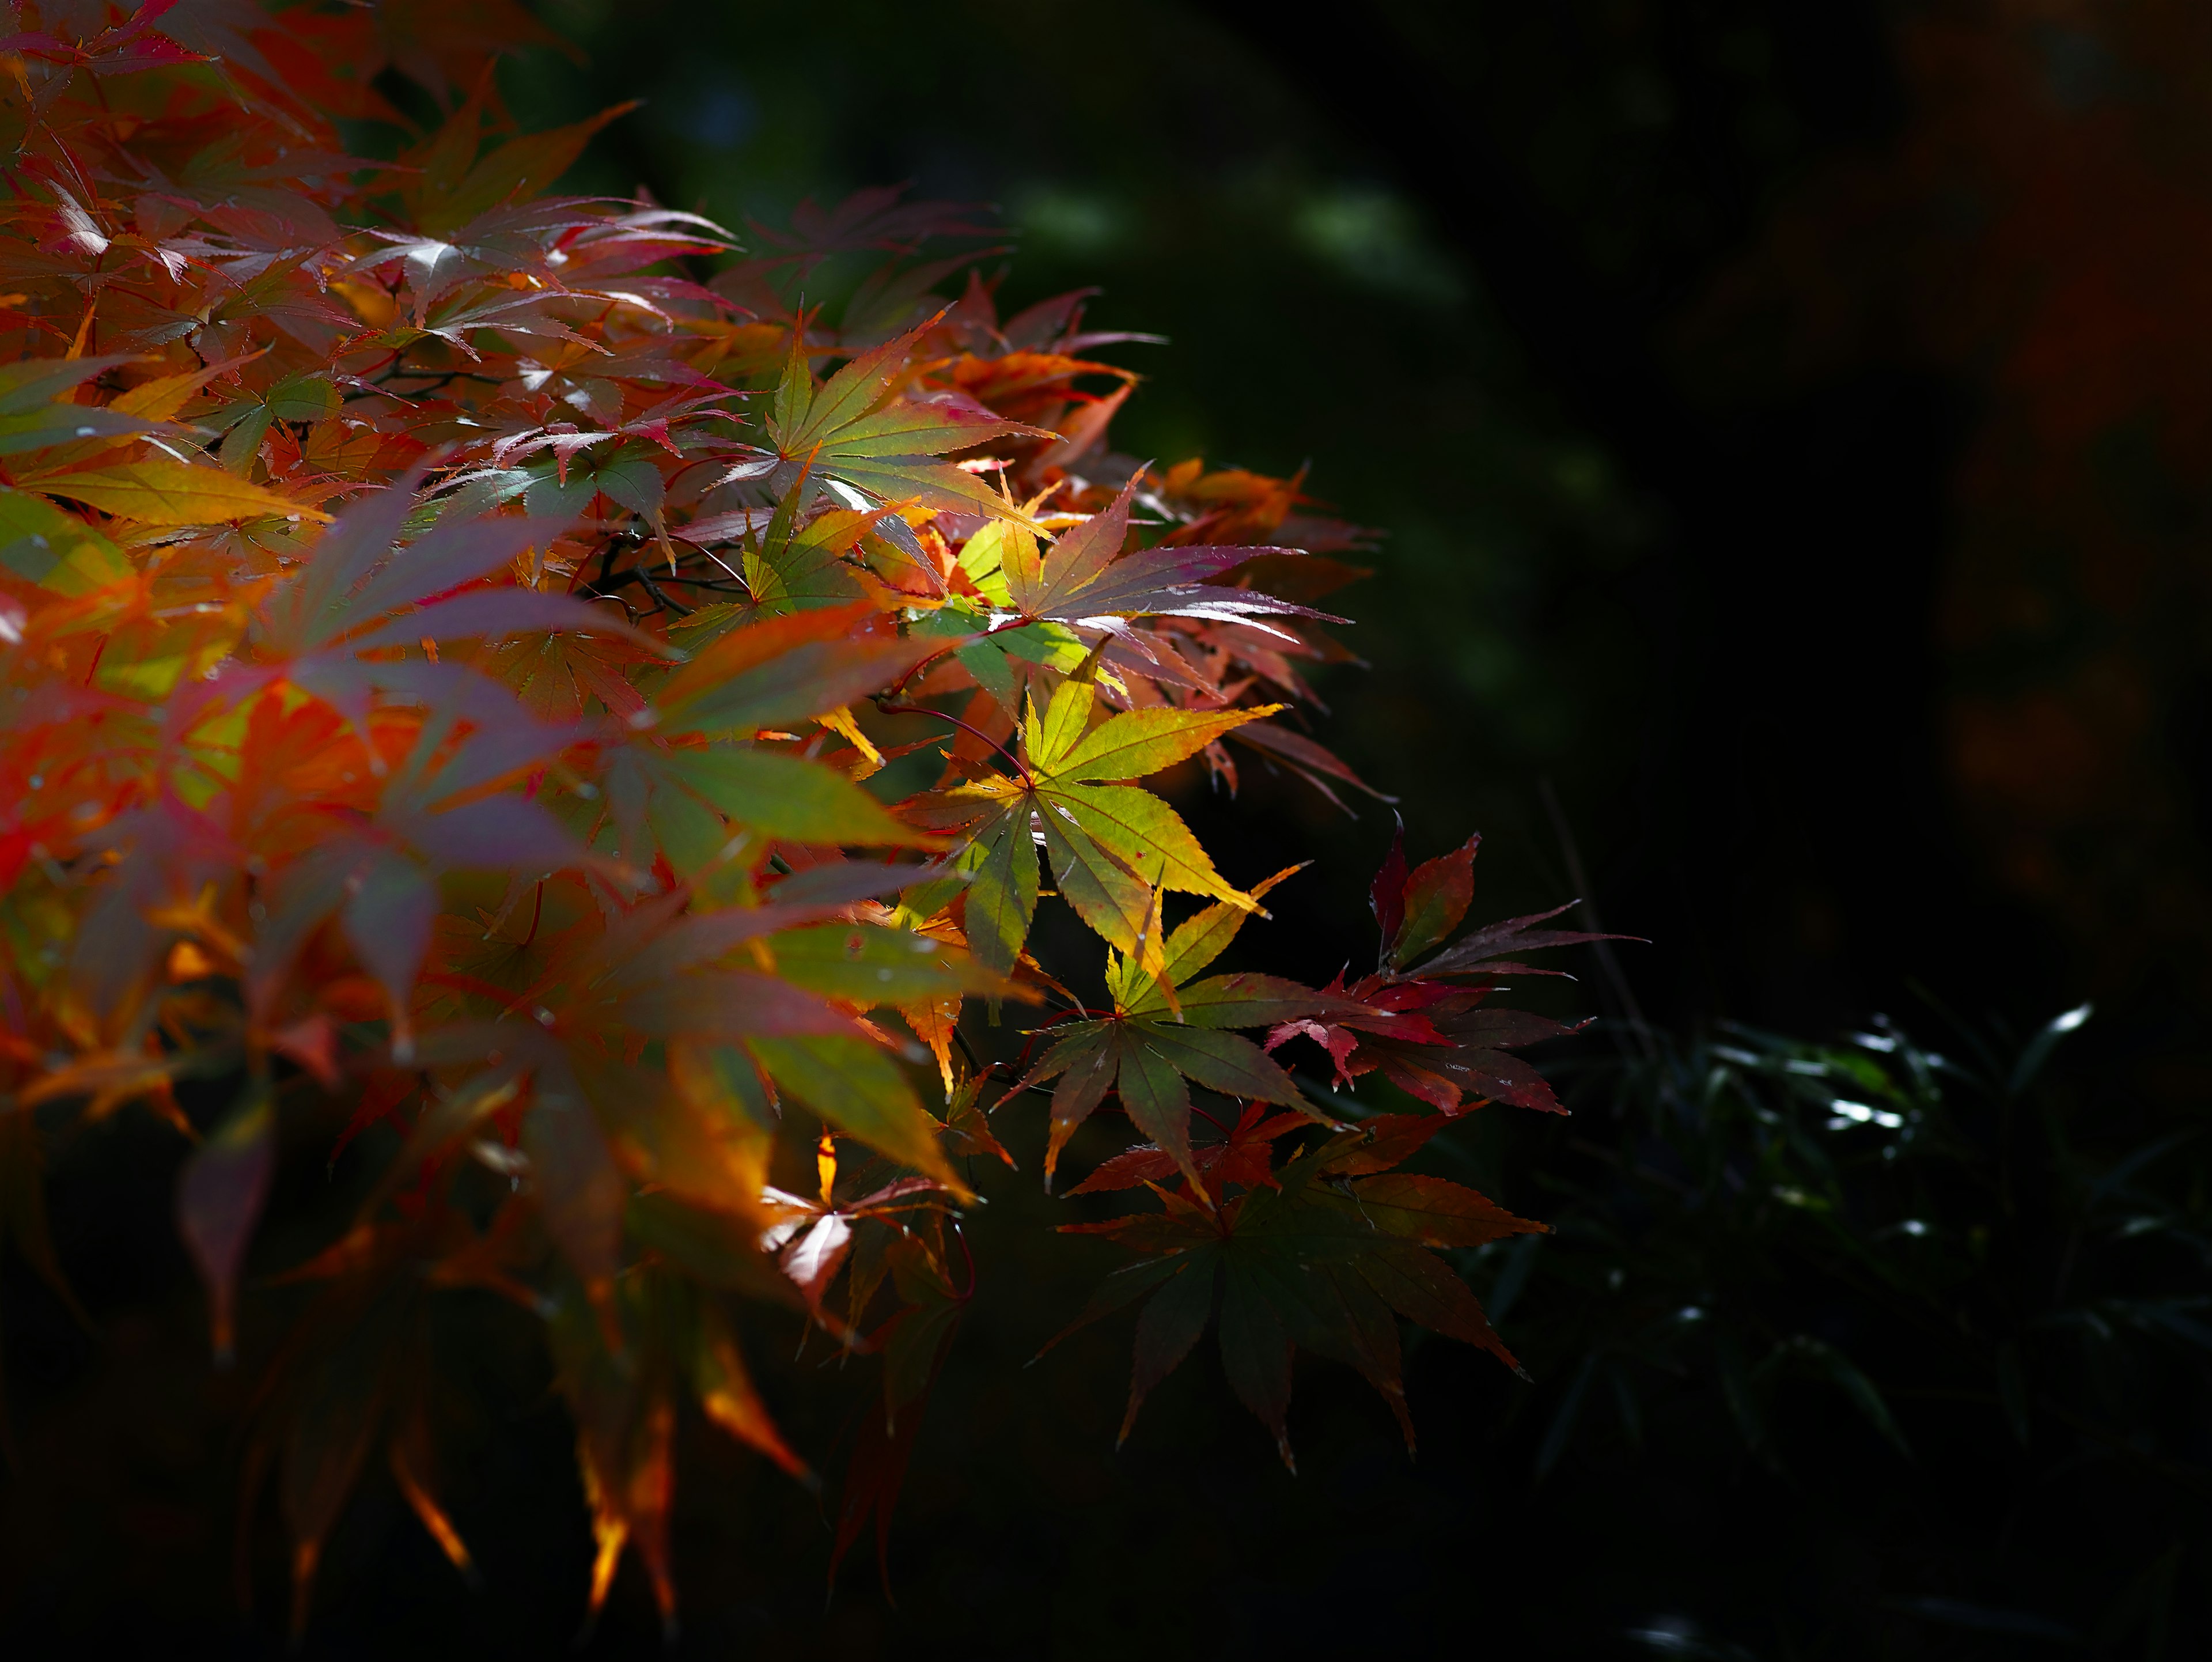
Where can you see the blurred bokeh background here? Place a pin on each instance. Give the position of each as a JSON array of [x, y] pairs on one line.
[[1792, 428]]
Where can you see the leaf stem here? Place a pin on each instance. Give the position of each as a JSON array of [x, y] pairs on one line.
[[884, 702]]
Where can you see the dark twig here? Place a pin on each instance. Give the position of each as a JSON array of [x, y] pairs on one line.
[[654, 589]]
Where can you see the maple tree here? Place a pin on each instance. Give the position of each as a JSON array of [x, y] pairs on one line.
[[458, 642]]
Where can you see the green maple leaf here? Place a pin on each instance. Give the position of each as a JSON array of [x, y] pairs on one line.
[[704, 774], [804, 569], [1326, 1263], [1168, 1032], [1113, 846], [856, 427]]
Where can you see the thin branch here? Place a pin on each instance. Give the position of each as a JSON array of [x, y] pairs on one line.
[[883, 702]]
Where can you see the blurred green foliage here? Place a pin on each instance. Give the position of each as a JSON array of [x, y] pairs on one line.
[[1953, 1304]]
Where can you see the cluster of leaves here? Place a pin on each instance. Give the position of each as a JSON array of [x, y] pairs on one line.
[[1317, 1253], [452, 636], [1954, 1249]]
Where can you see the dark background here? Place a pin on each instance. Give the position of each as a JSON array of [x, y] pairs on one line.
[[1790, 424]]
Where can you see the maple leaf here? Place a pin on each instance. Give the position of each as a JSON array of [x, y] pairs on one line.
[[511, 237], [1113, 847], [686, 803], [1242, 1156], [381, 877], [120, 48], [442, 44], [699, 1125], [780, 670], [1425, 1034], [856, 428], [162, 491], [793, 568], [1324, 1259], [1168, 1031], [621, 1379], [894, 1232], [785, 669], [1083, 586], [1084, 577], [318, 627], [873, 218], [1312, 761], [355, 1377], [35, 413], [220, 1199], [55, 549], [914, 1342], [456, 184], [302, 396]]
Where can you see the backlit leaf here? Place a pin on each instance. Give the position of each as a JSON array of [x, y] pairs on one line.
[[856, 1086], [786, 669], [162, 491], [219, 1200], [788, 796]]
